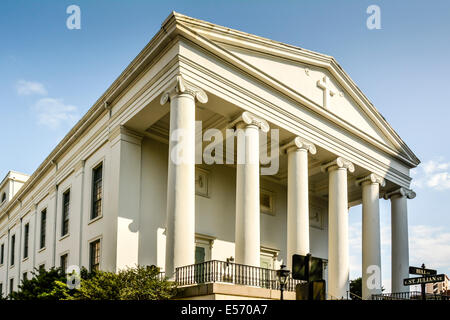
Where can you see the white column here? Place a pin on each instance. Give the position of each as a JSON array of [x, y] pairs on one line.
[[298, 198], [371, 248], [338, 251], [180, 224], [399, 234], [247, 231]]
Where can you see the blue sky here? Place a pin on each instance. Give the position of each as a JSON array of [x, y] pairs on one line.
[[50, 76]]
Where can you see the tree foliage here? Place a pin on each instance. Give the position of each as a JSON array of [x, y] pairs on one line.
[[144, 283], [139, 283], [356, 286], [41, 286]]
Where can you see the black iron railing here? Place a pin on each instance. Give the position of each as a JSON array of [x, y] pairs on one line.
[[411, 295], [228, 272]]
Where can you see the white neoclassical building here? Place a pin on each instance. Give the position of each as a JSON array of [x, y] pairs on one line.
[[113, 194]]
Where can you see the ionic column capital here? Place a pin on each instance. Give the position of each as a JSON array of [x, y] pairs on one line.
[[249, 119], [402, 192], [371, 178], [338, 163], [298, 143], [181, 86]]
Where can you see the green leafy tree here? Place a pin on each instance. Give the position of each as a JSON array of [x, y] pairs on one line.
[[98, 285], [41, 286], [145, 283], [356, 287], [139, 283]]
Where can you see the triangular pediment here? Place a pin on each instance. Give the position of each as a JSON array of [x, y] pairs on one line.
[[306, 80], [307, 74]]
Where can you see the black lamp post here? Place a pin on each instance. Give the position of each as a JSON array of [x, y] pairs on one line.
[[283, 275]]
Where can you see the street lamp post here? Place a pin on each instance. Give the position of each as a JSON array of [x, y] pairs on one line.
[[282, 275]]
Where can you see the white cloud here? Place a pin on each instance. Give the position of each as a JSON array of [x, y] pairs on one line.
[[430, 245], [53, 112], [432, 174], [25, 88]]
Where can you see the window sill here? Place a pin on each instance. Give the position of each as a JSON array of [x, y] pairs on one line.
[[64, 236], [25, 259], [41, 249], [95, 219]]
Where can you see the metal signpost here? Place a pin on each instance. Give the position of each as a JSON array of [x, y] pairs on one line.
[[429, 276]]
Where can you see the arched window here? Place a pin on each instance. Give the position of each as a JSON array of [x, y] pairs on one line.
[[3, 197]]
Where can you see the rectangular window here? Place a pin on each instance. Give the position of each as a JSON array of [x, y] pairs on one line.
[[25, 240], [63, 262], [13, 249], [2, 253], [94, 255], [11, 285], [25, 276], [97, 191], [43, 228], [42, 267], [65, 213]]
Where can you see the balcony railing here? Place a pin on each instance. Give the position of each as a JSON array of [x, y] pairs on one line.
[[228, 272], [412, 295]]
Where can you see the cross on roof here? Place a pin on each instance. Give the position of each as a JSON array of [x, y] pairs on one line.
[[327, 90]]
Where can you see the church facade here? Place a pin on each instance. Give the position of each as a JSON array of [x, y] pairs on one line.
[[216, 155]]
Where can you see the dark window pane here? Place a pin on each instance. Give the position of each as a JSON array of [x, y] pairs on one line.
[[43, 228], [94, 255], [64, 259], [13, 248], [65, 216], [97, 192], [25, 240]]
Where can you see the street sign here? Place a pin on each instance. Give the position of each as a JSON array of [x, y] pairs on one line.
[[423, 280], [422, 271]]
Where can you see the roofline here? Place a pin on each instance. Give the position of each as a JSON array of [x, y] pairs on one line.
[[334, 66]]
